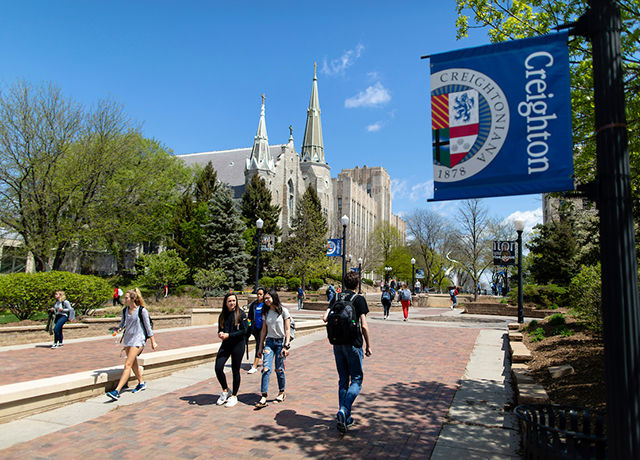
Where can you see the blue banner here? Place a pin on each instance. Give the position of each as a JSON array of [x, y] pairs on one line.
[[501, 119], [334, 247]]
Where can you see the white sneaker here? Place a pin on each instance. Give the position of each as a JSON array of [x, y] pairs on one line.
[[232, 401], [222, 399], [253, 370]]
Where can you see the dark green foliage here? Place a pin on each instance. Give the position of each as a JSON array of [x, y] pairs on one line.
[[26, 294], [557, 320], [315, 284], [280, 282], [293, 283], [537, 335], [190, 216], [532, 325], [223, 242], [256, 204], [554, 250], [549, 296], [367, 281], [305, 253], [266, 282], [586, 296]]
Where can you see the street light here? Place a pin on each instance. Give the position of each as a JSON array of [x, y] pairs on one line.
[[519, 224], [413, 275], [345, 222], [360, 275], [387, 271], [259, 224]]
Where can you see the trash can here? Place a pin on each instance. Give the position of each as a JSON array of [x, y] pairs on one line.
[[552, 431]]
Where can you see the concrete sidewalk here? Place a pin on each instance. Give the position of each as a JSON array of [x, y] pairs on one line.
[[429, 392]]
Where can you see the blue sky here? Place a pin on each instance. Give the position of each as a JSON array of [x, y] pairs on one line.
[[193, 72]]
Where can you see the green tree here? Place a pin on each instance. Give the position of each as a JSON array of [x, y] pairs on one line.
[[385, 244], [554, 248], [256, 204], [429, 235], [163, 269], [304, 254], [223, 243], [190, 216]]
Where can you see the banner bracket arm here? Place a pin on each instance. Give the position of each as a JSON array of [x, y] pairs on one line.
[[579, 27]]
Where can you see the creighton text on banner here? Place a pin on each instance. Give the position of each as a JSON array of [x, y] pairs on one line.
[[501, 119]]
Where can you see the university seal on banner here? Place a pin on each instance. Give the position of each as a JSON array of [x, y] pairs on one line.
[[470, 122]]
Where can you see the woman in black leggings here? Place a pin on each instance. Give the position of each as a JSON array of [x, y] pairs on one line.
[[232, 330]]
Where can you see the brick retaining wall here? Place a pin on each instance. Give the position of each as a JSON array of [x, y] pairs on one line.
[[503, 309]]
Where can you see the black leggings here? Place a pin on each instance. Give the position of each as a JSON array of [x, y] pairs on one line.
[[257, 337], [236, 360]]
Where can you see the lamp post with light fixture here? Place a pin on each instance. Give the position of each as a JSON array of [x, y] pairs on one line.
[[259, 224], [519, 224], [345, 222]]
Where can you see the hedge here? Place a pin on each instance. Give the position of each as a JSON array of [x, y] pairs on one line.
[[279, 282], [293, 283], [25, 294]]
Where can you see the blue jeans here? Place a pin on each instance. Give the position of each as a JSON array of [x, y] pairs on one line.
[[57, 329], [272, 347], [300, 299], [349, 365]]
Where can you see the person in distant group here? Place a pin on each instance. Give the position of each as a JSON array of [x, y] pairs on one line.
[[418, 287], [62, 309], [274, 345], [331, 293], [137, 328], [405, 300], [117, 293], [300, 297], [232, 330], [255, 323], [453, 292], [385, 300]]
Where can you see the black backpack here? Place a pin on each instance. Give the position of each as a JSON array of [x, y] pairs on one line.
[[343, 325], [144, 328]]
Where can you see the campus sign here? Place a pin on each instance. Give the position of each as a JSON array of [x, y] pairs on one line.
[[504, 252], [501, 119], [334, 247]]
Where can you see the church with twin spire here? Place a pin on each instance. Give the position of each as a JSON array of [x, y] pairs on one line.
[[362, 193]]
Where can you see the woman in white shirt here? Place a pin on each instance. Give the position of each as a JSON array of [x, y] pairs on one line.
[[274, 345], [137, 328]]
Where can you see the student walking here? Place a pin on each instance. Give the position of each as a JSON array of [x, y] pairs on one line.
[[453, 292], [349, 356], [274, 345], [405, 300], [385, 300], [117, 293], [62, 309], [137, 328], [300, 297], [232, 330], [255, 324]]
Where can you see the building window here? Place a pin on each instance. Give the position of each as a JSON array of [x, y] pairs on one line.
[[14, 260], [369, 188]]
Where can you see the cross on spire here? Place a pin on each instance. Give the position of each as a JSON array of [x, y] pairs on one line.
[[263, 98], [315, 67]]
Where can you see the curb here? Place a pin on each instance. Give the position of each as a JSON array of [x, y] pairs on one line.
[[528, 391]]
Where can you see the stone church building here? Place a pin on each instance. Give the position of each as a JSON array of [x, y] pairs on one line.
[[363, 194]]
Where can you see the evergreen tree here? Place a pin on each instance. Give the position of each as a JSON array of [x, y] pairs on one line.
[[190, 216], [256, 203], [223, 243], [304, 254], [554, 250]]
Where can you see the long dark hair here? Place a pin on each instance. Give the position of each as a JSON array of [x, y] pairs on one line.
[[224, 314], [275, 301]]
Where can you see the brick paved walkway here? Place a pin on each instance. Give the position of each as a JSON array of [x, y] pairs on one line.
[[42, 362], [408, 387]]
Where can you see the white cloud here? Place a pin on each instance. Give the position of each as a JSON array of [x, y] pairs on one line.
[[375, 127], [338, 66], [398, 188], [531, 218], [373, 96], [422, 191], [373, 76]]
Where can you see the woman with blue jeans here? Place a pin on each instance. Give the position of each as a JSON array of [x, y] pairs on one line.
[[62, 308], [274, 345]]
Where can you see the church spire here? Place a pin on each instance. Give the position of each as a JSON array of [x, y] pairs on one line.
[[312, 146], [260, 158]]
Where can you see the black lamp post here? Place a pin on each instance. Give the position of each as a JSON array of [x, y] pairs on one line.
[[259, 224], [387, 272], [413, 275], [345, 222], [519, 224], [360, 275]]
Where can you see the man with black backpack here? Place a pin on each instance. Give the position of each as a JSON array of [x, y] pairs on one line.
[[347, 331]]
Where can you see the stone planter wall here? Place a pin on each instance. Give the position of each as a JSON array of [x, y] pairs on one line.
[[503, 309]]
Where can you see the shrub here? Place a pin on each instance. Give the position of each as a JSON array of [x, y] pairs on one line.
[[537, 335], [557, 320], [266, 281], [165, 269], [209, 280], [543, 296], [26, 294], [279, 282], [367, 281], [532, 325], [293, 283], [316, 283], [586, 296], [563, 330], [187, 290]]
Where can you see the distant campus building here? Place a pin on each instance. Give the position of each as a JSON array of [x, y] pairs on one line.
[[362, 194]]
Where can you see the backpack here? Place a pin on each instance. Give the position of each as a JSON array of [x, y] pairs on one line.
[[392, 292], [405, 295], [144, 328], [292, 329], [342, 322], [72, 312], [331, 292], [386, 295]]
